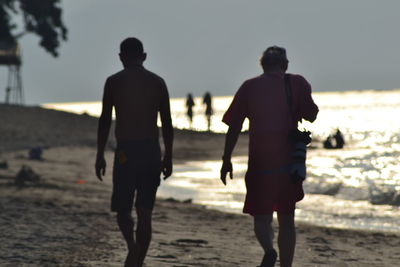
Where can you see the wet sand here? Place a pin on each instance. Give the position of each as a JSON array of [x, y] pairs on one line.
[[64, 219]]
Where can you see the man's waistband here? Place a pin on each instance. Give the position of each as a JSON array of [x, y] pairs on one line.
[[138, 143]]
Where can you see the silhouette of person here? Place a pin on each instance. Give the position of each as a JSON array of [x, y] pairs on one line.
[[269, 186], [189, 105], [328, 142], [137, 95], [339, 139], [207, 100]]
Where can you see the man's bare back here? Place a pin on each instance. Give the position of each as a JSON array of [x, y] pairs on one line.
[[137, 95]]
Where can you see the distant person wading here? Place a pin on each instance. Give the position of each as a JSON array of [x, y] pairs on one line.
[[138, 96], [270, 187], [207, 101], [189, 108]]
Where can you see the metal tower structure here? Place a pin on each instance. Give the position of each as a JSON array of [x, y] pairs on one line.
[[10, 56]]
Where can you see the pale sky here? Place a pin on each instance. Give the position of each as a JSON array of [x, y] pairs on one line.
[[214, 45]]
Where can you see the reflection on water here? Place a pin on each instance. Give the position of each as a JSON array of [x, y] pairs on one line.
[[357, 187], [365, 116], [200, 182]]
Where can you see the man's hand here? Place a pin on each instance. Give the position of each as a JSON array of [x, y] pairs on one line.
[[100, 167], [166, 167], [226, 168]]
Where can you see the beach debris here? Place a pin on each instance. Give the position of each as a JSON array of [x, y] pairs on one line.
[[81, 182], [381, 195], [3, 165], [328, 186], [26, 174], [35, 153], [396, 199], [188, 201], [165, 256], [190, 242], [171, 199], [330, 189]]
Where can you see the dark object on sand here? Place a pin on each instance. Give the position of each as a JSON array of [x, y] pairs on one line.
[[3, 165], [26, 174], [334, 141], [36, 153], [188, 201]]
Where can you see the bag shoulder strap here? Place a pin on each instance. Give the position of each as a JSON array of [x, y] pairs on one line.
[[289, 95]]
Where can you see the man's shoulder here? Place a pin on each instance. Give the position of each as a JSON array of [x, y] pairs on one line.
[[115, 76], [251, 81], [144, 72], [297, 78], [300, 84], [153, 75]]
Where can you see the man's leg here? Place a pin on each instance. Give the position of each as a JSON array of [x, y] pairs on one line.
[[286, 239], [263, 230], [265, 235], [126, 224], [143, 233]]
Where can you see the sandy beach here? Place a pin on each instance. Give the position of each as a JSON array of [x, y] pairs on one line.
[[64, 219]]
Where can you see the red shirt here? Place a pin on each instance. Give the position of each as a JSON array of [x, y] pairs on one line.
[[263, 101]]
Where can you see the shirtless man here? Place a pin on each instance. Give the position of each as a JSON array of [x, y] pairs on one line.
[[137, 95]]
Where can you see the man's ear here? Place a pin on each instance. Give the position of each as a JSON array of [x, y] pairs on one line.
[[285, 66], [144, 57]]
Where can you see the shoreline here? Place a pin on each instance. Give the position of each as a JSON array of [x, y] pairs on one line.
[[25, 127]]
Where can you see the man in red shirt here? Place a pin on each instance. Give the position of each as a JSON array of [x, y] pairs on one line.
[[263, 101], [138, 96]]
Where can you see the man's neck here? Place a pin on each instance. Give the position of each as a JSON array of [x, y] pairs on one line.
[[133, 65], [274, 70]]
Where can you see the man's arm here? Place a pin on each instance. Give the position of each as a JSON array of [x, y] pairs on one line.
[[230, 141], [167, 133], [308, 110], [103, 131]]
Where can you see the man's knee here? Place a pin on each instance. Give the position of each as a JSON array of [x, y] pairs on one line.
[[286, 220], [124, 216], [144, 214], [262, 220]]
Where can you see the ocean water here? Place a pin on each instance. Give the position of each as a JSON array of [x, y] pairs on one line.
[[357, 187]]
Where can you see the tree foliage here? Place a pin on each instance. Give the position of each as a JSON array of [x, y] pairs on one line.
[[41, 17]]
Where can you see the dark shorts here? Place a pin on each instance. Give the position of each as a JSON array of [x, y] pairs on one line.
[[137, 169]]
